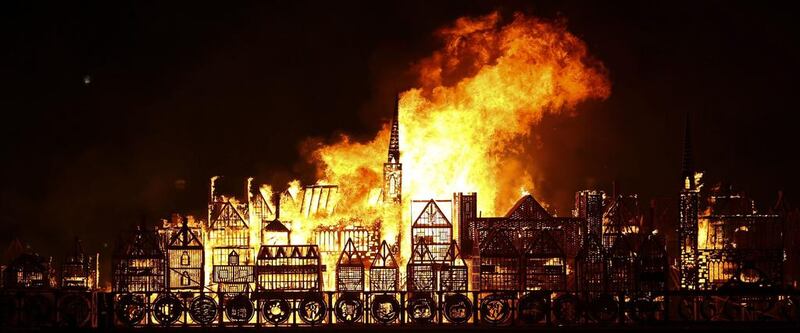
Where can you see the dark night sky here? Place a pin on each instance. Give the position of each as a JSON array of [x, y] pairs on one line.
[[186, 91]]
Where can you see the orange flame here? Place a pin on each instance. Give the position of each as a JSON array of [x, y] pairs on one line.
[[465, 126]]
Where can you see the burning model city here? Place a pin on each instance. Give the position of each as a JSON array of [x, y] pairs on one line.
[[435, 220]]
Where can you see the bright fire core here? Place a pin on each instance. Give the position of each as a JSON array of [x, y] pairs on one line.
[[464, 127]]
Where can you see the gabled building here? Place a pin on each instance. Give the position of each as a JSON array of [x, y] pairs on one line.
[[453, 271], [350, 269], [29, 270], [652, 264], [289, 268], [421, 269], [232, 248], [79, 271], [433, 228], [138, 263], [622, 218], [384, 273], [545, 264], [185, 258], [590, 273], [499, 263], [621, 266]]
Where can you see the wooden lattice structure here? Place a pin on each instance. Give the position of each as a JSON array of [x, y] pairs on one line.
[[421, 269], [433, 228], [138, 263], [499, 263], [332, 238], [318, 199], [231, 249], [79, 271], [289, 268], [524, 221], [384, 273], [545, 264], [29, 270], [622, 217], [260, 209], [738, 239], [453, 270], [465, 211], [589, 205], [350, 269], [621, 266], [590, 266], [652, 264], [185, 259]]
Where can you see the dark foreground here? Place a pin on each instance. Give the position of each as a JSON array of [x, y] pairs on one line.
[[695, 327]]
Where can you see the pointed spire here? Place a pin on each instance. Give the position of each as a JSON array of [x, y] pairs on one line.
[[687, 169], [394, 140], [77, 252]]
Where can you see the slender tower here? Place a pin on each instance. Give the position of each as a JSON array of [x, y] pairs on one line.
[[393, 169], [687, 228]]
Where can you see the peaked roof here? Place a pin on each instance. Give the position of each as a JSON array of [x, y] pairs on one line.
[[276, 226], [312, 252], [185, 237], [261, 200], [142, 244], [453, 255], [226, 209], [13, 250], [295, 251], [350, 255], [622, 212], [29, 262], [431, 216], [527, 208], [498, 244], [421, 254], [384, 257], [544, 246], [77, 256]]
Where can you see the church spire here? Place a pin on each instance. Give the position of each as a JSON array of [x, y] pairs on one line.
[[392, 169], [687, 169], [394, 140]]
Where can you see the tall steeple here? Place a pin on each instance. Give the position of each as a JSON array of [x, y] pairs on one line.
[[393, 169], [394, 140], [689, 268], [687, 169]]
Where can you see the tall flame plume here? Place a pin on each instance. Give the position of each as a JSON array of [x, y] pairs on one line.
[[465, 125]]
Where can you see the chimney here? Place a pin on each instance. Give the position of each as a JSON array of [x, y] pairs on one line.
[[277, 198]]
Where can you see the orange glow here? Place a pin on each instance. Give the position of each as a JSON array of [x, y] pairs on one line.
[[463, 128]]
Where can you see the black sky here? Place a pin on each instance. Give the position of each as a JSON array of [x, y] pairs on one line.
[[188, 90]]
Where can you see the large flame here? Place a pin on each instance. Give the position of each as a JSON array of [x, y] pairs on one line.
[[463, 128], [466, 124]]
